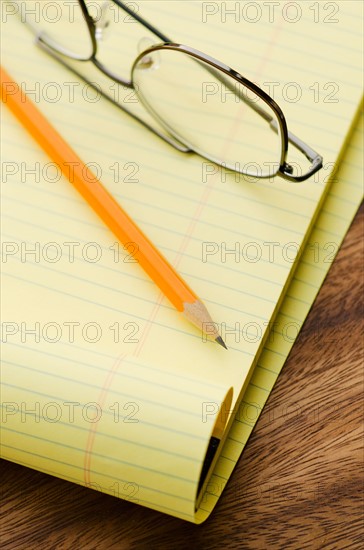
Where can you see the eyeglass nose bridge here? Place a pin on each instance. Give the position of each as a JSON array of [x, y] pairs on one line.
[[171, 140]]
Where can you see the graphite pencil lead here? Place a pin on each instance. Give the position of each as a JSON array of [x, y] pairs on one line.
[[220, 341]]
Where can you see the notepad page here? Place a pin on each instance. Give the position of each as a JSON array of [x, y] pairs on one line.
[[344, 197], [91, 285]]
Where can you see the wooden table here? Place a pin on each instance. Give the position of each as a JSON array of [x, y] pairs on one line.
[[298, 484]]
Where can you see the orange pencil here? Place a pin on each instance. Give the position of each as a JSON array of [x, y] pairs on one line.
[[150, 259]]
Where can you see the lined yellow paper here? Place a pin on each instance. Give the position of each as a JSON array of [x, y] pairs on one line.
[[339, 208], [107, 350]]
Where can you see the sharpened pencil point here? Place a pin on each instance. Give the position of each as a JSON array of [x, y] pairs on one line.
[[198, 315], [220, 341]]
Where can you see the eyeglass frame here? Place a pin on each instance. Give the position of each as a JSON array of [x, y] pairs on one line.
[[285, 170]]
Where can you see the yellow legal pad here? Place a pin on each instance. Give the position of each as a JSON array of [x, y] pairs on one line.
[[102, 383]]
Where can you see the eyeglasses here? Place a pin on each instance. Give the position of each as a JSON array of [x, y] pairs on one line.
[[203, 105]]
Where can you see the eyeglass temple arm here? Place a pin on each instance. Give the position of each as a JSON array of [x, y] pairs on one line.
[[140, 19], [287, 170], [311, 155], [168, 139]]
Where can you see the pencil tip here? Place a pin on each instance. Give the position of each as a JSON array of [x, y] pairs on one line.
[[220, 341]]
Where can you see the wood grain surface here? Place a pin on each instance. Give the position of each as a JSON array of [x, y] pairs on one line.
[[298, 484]]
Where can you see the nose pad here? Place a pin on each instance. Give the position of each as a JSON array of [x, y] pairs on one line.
[[102, 21], [150, 60]]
